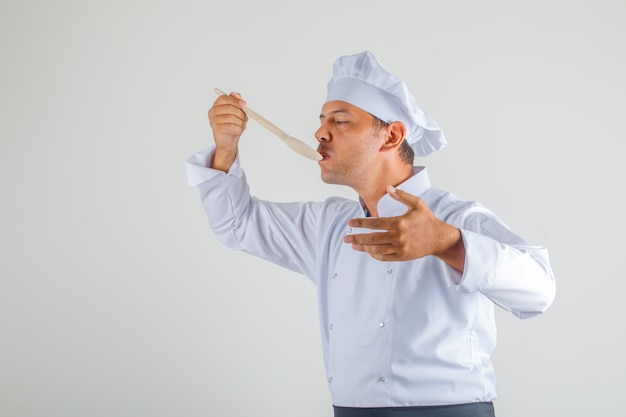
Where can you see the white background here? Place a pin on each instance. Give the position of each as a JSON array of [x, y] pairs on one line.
[[115, 298]]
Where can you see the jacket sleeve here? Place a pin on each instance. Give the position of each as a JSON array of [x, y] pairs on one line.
[[502, 266], [282, 233]]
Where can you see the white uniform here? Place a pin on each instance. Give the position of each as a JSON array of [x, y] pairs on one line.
[[393, 333]]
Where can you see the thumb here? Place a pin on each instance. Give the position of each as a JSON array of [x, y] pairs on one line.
[[405, 198], [242, 103]]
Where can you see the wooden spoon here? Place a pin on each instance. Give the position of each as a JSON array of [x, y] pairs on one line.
[[295, 144]]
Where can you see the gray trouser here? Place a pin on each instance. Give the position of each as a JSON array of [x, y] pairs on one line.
[[456, 410]]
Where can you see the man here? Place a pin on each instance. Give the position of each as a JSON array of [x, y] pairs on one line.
[[407, 277]]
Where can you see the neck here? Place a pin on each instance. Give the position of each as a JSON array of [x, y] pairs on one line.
[[376, 188]]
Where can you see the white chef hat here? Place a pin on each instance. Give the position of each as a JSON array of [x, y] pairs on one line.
[[362, 81]]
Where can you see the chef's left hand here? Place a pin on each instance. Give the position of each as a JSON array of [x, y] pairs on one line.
[[415, 234]]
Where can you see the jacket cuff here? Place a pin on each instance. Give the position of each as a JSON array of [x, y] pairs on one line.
[[482, 262], [199, 167]]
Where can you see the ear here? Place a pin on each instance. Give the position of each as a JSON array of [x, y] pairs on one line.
[[396, 131]]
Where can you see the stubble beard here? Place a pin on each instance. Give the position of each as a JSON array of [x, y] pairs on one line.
[[352, 173]]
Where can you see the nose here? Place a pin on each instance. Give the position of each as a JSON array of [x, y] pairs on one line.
[[322, 134]]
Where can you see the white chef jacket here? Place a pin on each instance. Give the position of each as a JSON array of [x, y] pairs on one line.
[[393, 333]]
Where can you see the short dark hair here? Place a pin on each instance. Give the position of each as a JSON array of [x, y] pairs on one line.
[[406, 152]]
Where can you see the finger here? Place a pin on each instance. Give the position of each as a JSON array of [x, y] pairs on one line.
[[226, 113], [227, 122], [217, 118], [392, 257], [233, 100], [405, 198], [376, 223], [376, 250], [377, 238], [241, 103]]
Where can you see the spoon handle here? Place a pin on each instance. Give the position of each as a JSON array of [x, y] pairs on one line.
[[295, 144]]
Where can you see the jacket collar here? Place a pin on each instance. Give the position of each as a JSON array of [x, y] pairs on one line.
[[416, 185]]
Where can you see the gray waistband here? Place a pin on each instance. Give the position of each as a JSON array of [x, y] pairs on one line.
[[457, 410]]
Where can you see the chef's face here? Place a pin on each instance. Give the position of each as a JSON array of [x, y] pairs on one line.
[[349, 142]]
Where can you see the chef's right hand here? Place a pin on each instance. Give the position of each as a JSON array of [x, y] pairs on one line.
[[228, 121]]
